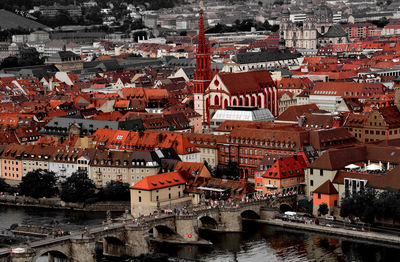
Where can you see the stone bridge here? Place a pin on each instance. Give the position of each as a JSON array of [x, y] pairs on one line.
[[133, 239]]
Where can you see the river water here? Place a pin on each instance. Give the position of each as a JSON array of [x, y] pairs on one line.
[[258, 243], [261, 243]]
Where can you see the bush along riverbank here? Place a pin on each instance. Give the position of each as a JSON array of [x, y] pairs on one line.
[[56, 203]]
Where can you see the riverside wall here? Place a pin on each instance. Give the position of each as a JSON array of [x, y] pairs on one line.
[[362, 235], [53, 203]]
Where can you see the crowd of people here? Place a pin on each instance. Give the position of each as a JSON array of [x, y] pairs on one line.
[[210, 204]]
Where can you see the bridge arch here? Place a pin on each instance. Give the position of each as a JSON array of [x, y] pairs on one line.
[[51, 255], [250, 214], [113, 246], [283, 207], [208, 222], [162, 231]]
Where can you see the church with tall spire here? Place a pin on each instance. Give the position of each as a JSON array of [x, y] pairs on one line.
[[219, 90], [203, 74]]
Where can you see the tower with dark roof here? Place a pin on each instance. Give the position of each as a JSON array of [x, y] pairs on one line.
[[203, 72]]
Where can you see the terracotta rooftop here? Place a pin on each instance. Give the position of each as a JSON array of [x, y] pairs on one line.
[[160, 181]]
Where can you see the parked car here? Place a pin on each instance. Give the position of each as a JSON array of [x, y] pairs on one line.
[[332, 218]]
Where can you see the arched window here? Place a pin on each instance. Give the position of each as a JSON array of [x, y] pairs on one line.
[[247, 101], [216, 100], [226, 103], [234, 102]]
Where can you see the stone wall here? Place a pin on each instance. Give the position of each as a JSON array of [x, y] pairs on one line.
[[268, 213], [186, 227], [231, 220]]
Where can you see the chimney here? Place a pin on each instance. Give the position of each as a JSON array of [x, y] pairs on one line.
[[337, 121]]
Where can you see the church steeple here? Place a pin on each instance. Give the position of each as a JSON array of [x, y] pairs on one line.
[[202, 76]]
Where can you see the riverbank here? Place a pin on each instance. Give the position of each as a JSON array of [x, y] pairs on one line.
[[363, 235], [57, 204]]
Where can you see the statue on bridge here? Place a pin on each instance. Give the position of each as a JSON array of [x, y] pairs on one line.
[[108, 217]]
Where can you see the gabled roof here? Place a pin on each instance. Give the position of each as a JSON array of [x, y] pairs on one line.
[[160, 181], [356, 120], [348, 89], [391, 115], [287, 167], [293, 112], [194, 168], [326, 188], [338, 158], [245, 82], [335, 31]]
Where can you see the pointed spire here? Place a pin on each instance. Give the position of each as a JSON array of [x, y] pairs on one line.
[[201, 43], [203, 58]]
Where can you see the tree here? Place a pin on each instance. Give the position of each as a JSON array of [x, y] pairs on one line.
[[4, 187], [93, 15], [387, 205], [10, 61], [39, 183], [116, 191], [303, 205], [232, 171], [77, 188], [323, 209], [360, 204], [29, 56]]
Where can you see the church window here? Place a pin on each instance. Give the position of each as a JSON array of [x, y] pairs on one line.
[[216, 100]]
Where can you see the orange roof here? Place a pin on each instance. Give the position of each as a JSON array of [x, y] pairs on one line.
[[287, 167], [148, 140], [160, 181], [193, 168], [156, 93], [122, 104]]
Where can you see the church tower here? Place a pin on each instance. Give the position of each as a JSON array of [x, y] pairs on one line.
[[203, 72]]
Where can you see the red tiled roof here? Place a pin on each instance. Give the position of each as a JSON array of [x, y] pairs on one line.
[[348, 89], [244, 82], [391, 115], [160, 181], [148, 140], [122, 104], [356, 120], [191, 167], [293, 112]]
